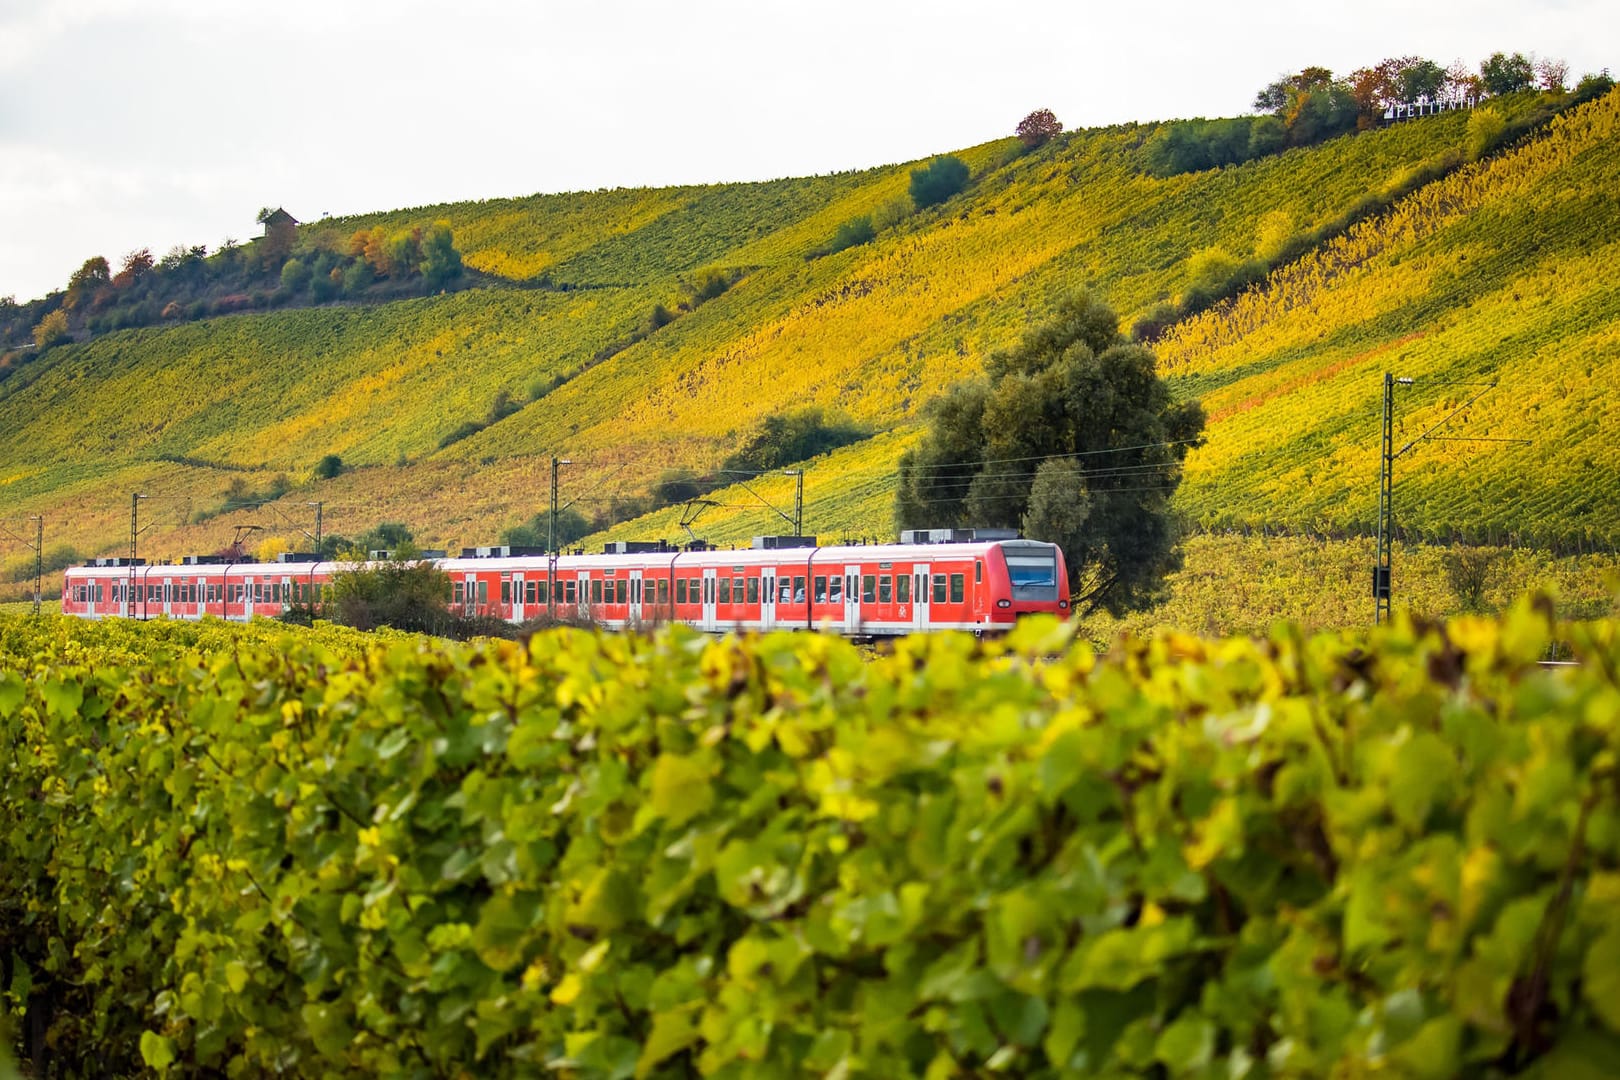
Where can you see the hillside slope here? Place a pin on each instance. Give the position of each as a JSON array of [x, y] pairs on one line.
[[1490, 272]]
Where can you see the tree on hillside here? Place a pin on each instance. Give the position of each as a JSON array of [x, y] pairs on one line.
[[1552, 74], [51, 329], [1419, 79], [136, 264], [1072, 437], [441, 262], [1038, 127], [784, 439], [1312, 105], [87, 280], [938, 180], [1503, 74]]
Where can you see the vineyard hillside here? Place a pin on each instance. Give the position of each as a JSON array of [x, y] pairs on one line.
[[638, 331]]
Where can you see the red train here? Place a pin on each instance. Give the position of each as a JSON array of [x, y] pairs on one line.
[[962, 582]]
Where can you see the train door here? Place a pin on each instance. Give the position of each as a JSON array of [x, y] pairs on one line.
[[852, 599], [919, 595], [767, 598], [709, 620], [517, 597], [585, 594], [635, 598]]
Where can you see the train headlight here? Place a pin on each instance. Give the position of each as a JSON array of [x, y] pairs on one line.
[[1004, 603], [1063, 605]]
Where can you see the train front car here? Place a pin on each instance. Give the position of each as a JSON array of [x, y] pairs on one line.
[[1026, 577]]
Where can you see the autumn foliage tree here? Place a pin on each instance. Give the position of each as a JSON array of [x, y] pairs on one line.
[[136, 264], [1038, 127]]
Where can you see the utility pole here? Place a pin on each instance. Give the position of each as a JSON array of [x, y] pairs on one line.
[[134, 535], [39, 559], [1382, 585], [38, 545], [798, 499], [318, 507], [556, 464], [551, 540], [1386, 510]]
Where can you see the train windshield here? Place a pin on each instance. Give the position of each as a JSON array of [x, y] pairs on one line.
[[1032, 571]]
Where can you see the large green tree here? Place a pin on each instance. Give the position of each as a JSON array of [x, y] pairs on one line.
[[1072, 438]]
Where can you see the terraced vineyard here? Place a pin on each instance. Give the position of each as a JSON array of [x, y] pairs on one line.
[[1496, 270], [1496, 273]]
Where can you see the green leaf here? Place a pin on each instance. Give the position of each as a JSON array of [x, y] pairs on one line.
[[1186, 1045], [681, 788], [62, 698], [503, 928], [236, 976], [157, 1051], [672, 1031], [1600, 982], [328, 1028], [12, 692], [1425, 770]]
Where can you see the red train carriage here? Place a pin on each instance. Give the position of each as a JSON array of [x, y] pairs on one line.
[[859, 591]]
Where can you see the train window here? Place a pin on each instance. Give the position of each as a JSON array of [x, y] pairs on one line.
[[568, 592], [753, 590], [869, 589], [621, 590], [784, 592], [506, 592], [939, 588], [798, 589], [542, 592], [725, 590], [460, 595], [836, 593], [483, 592], [821, 588], [680, 590], [978, 572], [886, 589], [663, 591], [957, 583], [596, 591], [902, 588]]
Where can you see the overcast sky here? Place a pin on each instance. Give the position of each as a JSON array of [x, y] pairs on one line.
[[148, 123]]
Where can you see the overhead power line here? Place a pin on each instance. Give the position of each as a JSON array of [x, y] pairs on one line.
[[1047, 457]]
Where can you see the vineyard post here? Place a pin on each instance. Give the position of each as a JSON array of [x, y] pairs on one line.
[[39, 559]]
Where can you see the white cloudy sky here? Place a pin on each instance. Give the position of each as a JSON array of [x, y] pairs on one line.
[[146, 123]]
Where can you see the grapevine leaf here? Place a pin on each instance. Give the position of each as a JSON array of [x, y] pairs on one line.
[[681, 789], [1601, 977], [157, 1051], [11, 692]]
